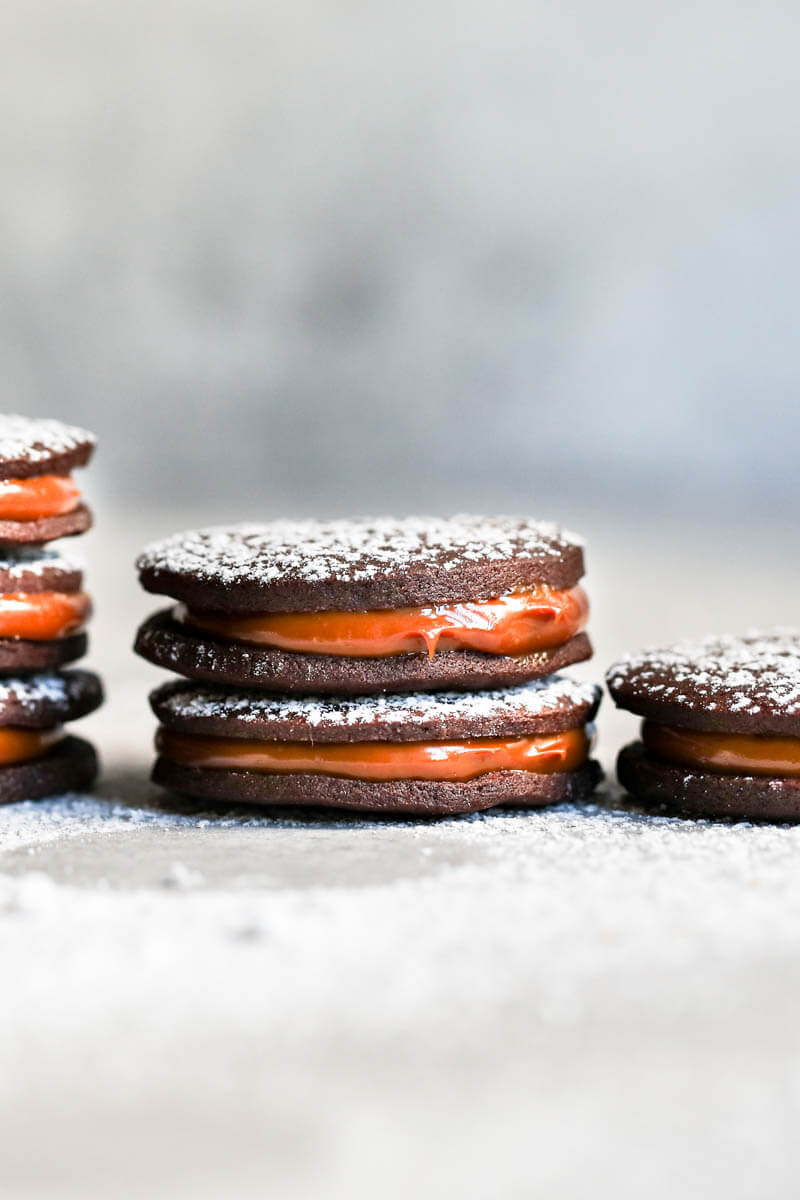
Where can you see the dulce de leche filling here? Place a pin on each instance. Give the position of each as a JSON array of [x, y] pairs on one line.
[[39, 497], [724, 753], [454, 761], [42, 616], [21, 745], [522, 622]]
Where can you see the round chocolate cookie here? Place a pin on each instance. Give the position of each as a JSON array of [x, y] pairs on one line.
[[46, 529], [670, 788], [358, 565], [171, 644], [410, 797], [50, 698], [553, 706], [38, 446], [409, 569], [733, 688], [21, 654], [71, 766], [30, 447], [31, 572], [544, 706], [725, 684], [34, 570]]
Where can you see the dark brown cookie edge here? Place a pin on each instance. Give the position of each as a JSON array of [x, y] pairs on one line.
[[48, 579], [36, 533], [17, 654], [409, 588], [293, 729], [168, 644], [71, 766], [693, 712], [684, 791], [411, 797], [57, 463], [84, 695]]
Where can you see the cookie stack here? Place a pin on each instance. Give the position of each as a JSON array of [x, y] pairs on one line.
[[720, 734], [43, 610], [395, 666]]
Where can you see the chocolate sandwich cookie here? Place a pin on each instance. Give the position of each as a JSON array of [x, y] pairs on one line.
[[721, 729], [39, 501], [352, 607], [419, 754], [36, 757], [43, 609]]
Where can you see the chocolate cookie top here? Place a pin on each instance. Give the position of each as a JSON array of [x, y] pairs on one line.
[[36, 570], [49, 698], [38, 446], [544, 706], [747, 684], [309, 566]]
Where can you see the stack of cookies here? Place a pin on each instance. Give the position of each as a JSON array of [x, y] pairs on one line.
[[720, 733], [389, 666], [43, 610]]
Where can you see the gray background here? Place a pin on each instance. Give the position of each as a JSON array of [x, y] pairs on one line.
[[312, 256]]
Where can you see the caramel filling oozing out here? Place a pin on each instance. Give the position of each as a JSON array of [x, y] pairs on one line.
[[724, 753], [522, 622], [453, 761], [39, 497], [42, 616], [22, 745]]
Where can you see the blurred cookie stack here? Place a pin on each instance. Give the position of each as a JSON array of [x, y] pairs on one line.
[[43, 611], [395, 666]]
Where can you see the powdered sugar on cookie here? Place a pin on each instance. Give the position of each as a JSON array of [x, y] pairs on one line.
[[31, 691], [35, 440], [353, 550], [537, 699], [754, 674], [35, 561]]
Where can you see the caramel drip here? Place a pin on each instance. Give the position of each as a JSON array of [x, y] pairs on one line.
[[522, 622]]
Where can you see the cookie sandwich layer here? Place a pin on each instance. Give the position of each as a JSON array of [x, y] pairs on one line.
[[39, 500], [721, 729], [359, 606], [419, 753]]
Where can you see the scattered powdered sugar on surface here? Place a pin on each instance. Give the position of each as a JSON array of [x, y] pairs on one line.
[[355, 550], [280, 1005], [35, 561], [37, 439], [748, 674], [532, 699]]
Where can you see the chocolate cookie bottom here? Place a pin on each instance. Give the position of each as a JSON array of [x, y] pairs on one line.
[[70, 766], [19, 654], [177, 647], [46, 529], [688, 792], [408, 797]]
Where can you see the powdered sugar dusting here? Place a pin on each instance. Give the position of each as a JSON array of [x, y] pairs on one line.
[[35, 561], [753, 674], [29, 691], [535, 699], [37, 439], [355, 550]]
